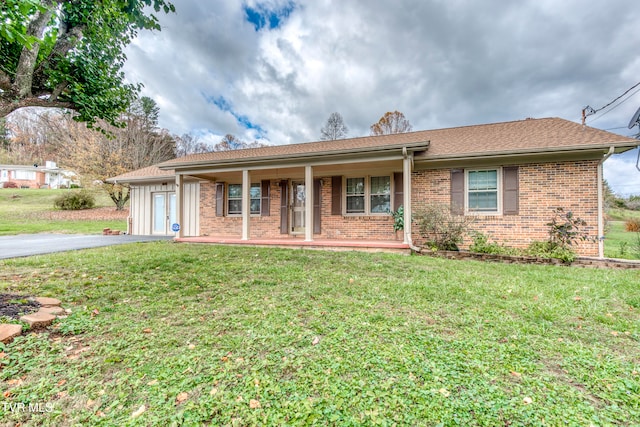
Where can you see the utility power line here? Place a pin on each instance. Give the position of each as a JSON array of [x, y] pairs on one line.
[[588, 111]]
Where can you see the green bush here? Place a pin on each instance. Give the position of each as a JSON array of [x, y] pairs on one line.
[[551, 250], [74, 201], [441, 229], [565, 229], [481, 245], [398, 218]]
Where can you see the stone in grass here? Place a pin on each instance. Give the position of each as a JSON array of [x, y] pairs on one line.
[[47, 302], [53, 310], [39, 319], [9, 331]]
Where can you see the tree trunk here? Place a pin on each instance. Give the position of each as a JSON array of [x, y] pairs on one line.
[[29, 56]]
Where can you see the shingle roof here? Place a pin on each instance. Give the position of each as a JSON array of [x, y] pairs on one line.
[[526, 136], [148, 173]]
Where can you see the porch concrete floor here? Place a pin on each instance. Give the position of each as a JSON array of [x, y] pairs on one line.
[[392, 246]]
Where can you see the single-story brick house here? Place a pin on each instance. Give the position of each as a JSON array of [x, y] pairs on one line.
[[37, 176], [508, 176]]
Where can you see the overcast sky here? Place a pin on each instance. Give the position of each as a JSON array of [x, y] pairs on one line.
[[275, 70]]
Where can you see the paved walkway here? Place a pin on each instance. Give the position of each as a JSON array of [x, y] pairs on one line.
[[37, 244]]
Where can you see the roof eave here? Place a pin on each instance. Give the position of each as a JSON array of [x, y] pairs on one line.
[[137, 179], [286, 158], [619, 147]]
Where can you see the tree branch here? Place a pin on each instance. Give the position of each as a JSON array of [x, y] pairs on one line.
[[68, 38], [57, 91], [7, 107], [29, 56], [5, 81]]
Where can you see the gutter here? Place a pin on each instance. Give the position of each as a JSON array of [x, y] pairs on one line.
[[407, 212], [612, 149]]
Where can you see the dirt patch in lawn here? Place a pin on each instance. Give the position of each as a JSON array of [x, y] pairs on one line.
[[14, 306]]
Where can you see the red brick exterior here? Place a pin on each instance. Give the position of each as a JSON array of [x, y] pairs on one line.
[[27, 183], [542, 187]]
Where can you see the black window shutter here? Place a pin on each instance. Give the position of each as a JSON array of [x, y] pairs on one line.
[[220, 199], [264, 203], [336, 195], [510, 191], [284, 207], [398, 191], [317, 204], [457, 191]]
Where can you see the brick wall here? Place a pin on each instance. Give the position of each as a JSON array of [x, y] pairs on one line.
[[542, 187]]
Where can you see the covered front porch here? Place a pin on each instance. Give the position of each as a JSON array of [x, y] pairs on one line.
[[337, 200], [387, 246]]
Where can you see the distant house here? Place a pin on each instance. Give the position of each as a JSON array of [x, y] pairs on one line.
[[508, 176], [36, 176]]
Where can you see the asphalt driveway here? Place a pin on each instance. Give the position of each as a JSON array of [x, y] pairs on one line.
[[37, 244]]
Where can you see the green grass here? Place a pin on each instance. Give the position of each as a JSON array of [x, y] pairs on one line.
[[28, 211], [619, 243], [197, 335]]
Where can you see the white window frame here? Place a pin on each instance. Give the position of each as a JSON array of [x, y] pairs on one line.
[[499, 196], [259, 198], [367, 195]]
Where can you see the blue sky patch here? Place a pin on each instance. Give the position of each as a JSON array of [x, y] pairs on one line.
[[224, 105], [261, 16]]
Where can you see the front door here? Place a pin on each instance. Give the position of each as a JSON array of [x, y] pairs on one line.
[[298, 201], [164, 212]]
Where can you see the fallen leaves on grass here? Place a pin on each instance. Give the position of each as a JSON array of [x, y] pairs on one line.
[[181, 397], [316, 341], [443, 391], [139, 412], [527, 400], [254, 404]]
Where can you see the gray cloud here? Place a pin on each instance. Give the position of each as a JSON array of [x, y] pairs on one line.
[[442, 64]]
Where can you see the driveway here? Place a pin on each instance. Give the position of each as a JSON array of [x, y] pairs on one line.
[[37, 244]]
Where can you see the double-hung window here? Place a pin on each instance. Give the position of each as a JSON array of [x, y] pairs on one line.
[[483, 191], [254, 194], [368, 195], [234, 199], [355, 195], [380, 194]]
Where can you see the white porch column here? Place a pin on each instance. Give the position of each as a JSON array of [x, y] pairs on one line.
[[406, 191], [179, 204], [246, 203], [308, 203]]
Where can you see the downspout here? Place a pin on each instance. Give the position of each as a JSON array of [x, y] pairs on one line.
[[408, 164], [601, 204]]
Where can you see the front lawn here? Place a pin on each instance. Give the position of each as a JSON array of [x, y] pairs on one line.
[[27, 211], [175, 334]]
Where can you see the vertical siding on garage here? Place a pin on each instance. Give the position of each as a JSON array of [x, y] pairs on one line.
[[141, 207], [191, 209]]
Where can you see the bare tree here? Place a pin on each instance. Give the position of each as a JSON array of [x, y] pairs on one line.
[[96, 155], [189, 144], [232, 142], [391, 122], [334, 128]]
